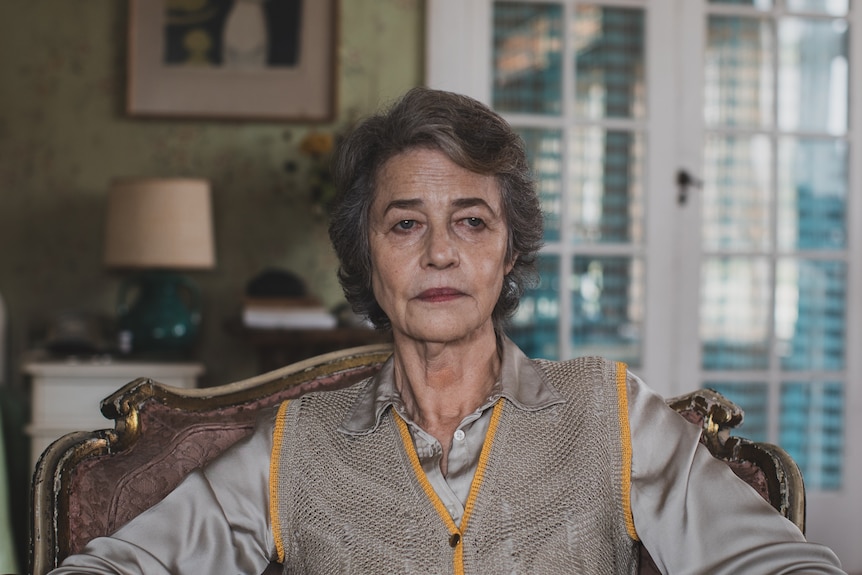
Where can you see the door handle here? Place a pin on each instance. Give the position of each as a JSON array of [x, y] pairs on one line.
[[684, 181]]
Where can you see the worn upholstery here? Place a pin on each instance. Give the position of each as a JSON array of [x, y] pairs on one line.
[[88, 484]]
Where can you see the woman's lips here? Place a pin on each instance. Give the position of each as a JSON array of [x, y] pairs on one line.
[[439, 295]]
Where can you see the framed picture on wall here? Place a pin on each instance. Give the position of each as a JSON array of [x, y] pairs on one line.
[[232, 59]]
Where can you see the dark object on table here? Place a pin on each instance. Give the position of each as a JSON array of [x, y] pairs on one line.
[[274, 282], [76, 333]]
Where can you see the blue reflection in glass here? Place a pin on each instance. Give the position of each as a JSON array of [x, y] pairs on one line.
[[527, 57], [609, 62], [607, 307], [810, 314], [534, 325], [811, 431], [544, 151], [812, 194]]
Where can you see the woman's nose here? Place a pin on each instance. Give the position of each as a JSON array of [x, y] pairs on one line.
[[441, 250]]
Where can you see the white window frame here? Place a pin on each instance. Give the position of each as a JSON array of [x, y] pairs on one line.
[[458, 58]]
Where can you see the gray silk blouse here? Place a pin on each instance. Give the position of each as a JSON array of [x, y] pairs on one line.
[[690, 511]]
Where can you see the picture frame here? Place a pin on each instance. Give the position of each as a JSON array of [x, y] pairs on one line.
[[233, 59]]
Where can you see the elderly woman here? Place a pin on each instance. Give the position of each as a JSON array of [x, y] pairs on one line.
[[462, 455]]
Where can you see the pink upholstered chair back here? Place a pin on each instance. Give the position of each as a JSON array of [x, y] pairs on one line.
[[89, 484]]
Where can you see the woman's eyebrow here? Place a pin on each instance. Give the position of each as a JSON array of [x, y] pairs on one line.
[[458, 203], [403, 205], [470, 202]]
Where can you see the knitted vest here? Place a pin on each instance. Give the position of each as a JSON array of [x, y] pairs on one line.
[[551, 494]]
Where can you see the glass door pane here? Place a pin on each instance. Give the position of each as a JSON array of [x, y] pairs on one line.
[[570, 77], [812, 429], [812, 194], [813, 75], [737, 193], [738, 88], [528, 52], [609, 62], [833, 7], [760, 4], [773, 291], [536, 323], [607, 307], [734, 313], [605, 200]]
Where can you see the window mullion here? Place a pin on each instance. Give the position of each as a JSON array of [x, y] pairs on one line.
[[774, 376], [566, 240]]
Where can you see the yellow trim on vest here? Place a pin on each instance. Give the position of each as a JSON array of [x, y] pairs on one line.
[[410, 448], [407, 440], [483, 463], [277, 435], [626, 448]]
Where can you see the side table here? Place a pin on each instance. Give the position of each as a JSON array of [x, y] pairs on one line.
[[279, 347], [66, 394]]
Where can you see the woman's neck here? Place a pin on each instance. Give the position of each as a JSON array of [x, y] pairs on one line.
[[441, 383]]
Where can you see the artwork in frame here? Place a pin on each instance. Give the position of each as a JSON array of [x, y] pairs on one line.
[[232, 59]]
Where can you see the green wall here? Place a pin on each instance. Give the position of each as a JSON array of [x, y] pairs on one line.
[[64, 135]]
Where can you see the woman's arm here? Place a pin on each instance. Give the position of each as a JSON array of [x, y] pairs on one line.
[[691, 511], [215, 521]]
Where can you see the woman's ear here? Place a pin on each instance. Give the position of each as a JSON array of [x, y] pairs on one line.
[[511, 263]]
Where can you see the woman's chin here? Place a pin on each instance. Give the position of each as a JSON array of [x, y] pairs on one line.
[[444, 332]]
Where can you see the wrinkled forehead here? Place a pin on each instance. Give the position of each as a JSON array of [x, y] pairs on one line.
[[428, 177]]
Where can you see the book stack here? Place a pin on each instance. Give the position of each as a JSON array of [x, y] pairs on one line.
[[286, 313]]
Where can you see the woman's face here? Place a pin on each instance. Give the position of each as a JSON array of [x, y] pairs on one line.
[[438, 242]]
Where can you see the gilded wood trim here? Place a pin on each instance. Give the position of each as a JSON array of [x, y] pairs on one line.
[[49, 534]]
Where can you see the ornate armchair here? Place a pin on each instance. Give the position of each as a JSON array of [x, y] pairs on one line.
[[766, 467], [88, 484]]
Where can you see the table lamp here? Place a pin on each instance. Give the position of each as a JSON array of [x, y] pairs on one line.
[[158, 226]]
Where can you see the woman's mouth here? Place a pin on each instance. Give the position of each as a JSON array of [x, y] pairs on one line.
[[435, 295]]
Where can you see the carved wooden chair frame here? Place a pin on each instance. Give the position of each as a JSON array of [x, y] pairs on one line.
[[779, 479]]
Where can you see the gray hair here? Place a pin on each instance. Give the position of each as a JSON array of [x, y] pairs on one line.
[[474, 137]]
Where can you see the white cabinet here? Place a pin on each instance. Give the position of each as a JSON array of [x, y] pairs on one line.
[[66, 395]]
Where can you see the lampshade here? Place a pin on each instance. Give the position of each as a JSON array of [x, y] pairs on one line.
[[163, 223]]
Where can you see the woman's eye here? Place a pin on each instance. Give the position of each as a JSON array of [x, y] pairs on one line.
[[474, 222], [405, 224]]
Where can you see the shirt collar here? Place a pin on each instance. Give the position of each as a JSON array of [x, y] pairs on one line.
[[520, 383]]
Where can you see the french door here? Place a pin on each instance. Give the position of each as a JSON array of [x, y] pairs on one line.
[[697, 169]]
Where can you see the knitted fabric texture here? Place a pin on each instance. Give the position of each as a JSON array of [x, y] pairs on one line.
[[551, 499]]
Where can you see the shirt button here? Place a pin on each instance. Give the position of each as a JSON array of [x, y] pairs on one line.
[[459, 435], [454, 540]]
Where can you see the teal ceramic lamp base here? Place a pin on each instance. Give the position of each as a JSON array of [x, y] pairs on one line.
[[158, 314]]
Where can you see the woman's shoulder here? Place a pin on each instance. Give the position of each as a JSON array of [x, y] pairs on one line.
[[590, 367], [331, 394], [585, 379]]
